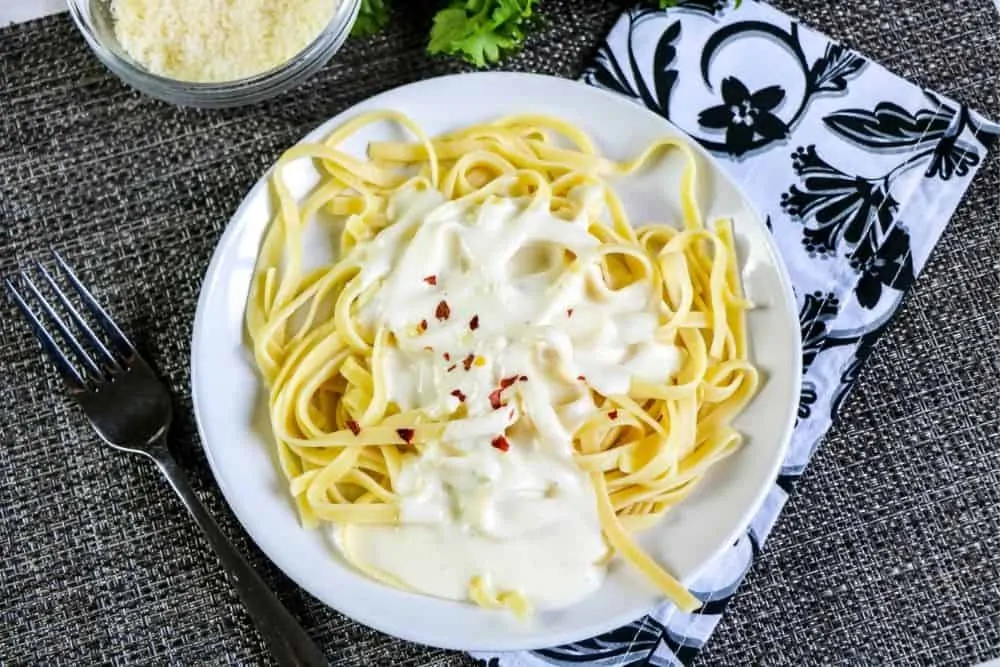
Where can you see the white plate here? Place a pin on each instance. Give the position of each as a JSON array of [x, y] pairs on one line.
[[229, 404]]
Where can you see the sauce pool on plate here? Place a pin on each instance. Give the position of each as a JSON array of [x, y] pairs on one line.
[[486, 323]]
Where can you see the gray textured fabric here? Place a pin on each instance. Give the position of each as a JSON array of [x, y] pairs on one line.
[[889, 550]]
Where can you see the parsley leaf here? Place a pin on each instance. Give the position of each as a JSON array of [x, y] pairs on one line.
[[372, 17], [480, 31]]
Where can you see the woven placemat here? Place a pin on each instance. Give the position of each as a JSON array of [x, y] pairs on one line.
[[888, 551]]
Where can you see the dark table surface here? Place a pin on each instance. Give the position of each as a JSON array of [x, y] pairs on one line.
[[889, 550]]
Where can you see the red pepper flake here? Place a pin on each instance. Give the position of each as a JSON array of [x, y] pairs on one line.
[[523, 378], [422, 327], [496, 401], [496, 398], [474, 322], [569, 312], [447, 357], [354, 426], [581, 378], [452, 367], [431, 280], [457, 393], [467, 362], [500, 443], [442, 312], [405, 434], [613, 414]]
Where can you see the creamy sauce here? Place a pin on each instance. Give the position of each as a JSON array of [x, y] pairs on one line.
[[501, 321]]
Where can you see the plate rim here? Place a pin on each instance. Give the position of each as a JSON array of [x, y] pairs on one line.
[[232, 228]]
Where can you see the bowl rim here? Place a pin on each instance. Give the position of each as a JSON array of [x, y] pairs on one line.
[[135, 74]]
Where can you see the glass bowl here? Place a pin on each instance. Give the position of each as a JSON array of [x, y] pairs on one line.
[[94, 19]]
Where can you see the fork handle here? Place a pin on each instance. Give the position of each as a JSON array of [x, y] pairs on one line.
[[288, 641]]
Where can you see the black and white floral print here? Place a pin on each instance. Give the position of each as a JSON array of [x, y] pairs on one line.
[[745, 116], [863, 171], [844, 209], [831, 71], [611, 648], [936, 132], [746, 120], [626, 76], [818, 309], [889, 267], [852, 215]]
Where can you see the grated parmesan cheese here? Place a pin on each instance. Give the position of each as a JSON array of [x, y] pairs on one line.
[[217, 40]]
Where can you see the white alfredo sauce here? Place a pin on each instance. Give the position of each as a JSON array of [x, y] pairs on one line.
[[499, 496]]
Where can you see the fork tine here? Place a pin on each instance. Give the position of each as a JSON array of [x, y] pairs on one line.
[[63, 330], [118, 339], [68, 372], [78, 320]]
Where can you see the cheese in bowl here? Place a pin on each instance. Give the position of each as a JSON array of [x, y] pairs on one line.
[[214, 53], [499, 379], [217, 40]]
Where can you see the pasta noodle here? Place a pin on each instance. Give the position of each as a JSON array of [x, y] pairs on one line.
[[342, 440]]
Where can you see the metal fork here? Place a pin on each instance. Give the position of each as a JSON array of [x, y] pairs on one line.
[[130, 409]]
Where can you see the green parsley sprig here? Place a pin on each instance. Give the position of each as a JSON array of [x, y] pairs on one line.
[[372, 17], [480, 32]]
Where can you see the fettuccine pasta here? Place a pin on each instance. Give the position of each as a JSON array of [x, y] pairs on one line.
[[494, 324]]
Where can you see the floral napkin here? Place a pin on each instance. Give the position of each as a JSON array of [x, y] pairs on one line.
[[856, 172]]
